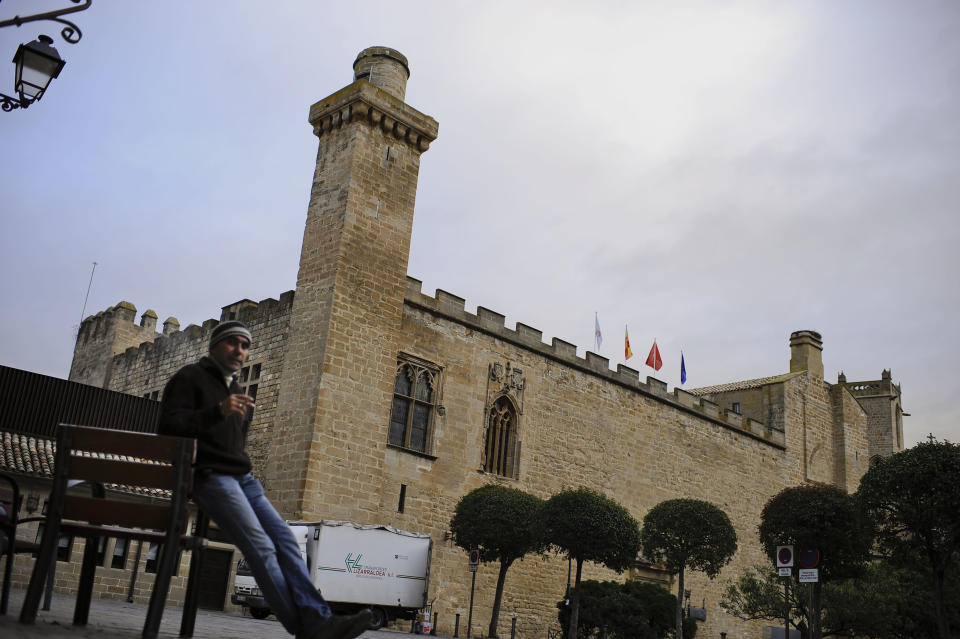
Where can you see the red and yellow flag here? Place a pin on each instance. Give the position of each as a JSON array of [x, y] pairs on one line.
[[627, 353]]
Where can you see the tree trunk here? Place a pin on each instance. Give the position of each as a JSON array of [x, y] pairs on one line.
[[943, 626], [575, 603], [816, 631], [680, 604], [498, 597]]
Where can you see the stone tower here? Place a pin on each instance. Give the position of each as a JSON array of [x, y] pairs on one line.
[[106, 334], [882, 401], [339, 368]]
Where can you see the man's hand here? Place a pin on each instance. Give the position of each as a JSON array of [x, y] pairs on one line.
[[235, 405]]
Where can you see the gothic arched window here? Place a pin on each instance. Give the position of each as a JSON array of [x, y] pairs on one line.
[[500, 451], [415, 392]]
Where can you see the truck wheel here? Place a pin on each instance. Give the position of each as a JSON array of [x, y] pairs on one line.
[[259, 613], [379, 618]]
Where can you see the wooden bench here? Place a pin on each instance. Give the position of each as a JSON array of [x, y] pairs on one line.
[[140, 463]]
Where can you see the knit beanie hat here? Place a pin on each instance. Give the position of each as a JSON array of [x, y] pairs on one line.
[[229, 329]]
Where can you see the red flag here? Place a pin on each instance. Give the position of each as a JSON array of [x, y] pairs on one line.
[[653, 359]]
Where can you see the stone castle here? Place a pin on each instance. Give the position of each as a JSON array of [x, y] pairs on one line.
[[378, 403]]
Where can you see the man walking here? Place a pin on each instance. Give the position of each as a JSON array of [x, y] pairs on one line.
[[204, 401]]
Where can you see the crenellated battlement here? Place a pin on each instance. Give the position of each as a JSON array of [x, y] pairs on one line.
[[102, 323], [247, 311], [111, 343], [124, 313], [453, 308], [883, 386]]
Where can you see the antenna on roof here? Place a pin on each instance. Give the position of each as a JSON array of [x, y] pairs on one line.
[[83, 311]]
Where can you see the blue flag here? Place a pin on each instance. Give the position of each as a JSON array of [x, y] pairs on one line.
[[683, 370]]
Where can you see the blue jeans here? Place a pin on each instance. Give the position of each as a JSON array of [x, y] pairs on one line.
[[248, 519]]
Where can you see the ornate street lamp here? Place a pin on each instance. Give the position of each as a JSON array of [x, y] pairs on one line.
[[37, 63]]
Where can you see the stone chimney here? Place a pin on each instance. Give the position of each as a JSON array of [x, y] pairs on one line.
[[384, 68], [806, 348]]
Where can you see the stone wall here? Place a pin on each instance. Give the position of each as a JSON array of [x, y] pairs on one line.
[[763, 402], [144, 369], [851, 438], [583, 424], [829, 427], [810, 413]]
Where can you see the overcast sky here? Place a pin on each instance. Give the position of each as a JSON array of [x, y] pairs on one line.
[[715, 175]]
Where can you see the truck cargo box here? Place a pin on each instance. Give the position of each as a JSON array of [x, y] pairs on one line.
[[373, 565]]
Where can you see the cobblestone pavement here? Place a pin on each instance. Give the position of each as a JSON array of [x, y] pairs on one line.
[[116, 619]]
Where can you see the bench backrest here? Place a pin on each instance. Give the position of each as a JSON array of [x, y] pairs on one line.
[[141, 463]]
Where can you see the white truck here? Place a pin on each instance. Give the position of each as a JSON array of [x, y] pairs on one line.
[[355, 566]]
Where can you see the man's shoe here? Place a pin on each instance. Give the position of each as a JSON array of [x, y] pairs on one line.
[[341, 626]]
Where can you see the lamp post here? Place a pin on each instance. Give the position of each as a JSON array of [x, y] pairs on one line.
[[37, 63]]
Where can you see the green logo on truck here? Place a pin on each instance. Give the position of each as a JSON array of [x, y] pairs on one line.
[[352, 562]]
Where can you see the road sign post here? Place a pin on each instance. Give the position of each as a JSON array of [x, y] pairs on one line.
[[474, 562], [809, 559], [785, 569]]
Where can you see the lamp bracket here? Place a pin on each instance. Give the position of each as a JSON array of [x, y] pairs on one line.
[[70, 33], [9, 104]]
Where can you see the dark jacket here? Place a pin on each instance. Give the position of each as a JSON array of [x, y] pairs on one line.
[[189, 408]]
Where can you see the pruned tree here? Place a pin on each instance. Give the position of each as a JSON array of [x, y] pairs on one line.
[[821, 517], [914, 499], [688, 533], [589, 526], [630, 610], [503, 524]]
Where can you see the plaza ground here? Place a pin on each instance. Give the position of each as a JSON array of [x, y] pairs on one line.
[[119, 619]]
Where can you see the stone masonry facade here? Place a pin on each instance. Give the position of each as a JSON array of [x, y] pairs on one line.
[[330, 438]]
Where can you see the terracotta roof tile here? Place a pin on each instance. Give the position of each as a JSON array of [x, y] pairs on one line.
[[742, 385], [35, 456]]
